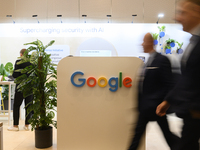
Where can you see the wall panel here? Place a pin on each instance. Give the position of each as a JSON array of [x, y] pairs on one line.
[[153, 7], [25, 10], [7, 7], [96, 11]]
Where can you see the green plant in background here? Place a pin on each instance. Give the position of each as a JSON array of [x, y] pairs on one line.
[[3, 72], [9, 68], [5, 92], [179, 45], [155, 36], [170, 41], [167, 47], [161, 29], [41, 82]]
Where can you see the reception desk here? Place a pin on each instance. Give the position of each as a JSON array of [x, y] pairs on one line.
[[97, 102]]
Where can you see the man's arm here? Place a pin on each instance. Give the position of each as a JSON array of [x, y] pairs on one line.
[[162, 108]]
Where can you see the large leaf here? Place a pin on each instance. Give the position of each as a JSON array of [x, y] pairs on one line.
[[32, 43], [50, 43], [19, 79], [27, 69], [31, 48], [9, 67]]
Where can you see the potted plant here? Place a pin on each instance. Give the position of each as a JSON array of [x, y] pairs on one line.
[[179, 48], [171, 42], [155, 38], [168, 49], [42, 83], [161, 31]]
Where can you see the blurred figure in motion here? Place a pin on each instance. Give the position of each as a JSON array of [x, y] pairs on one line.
[[186, 94], [155, 82]]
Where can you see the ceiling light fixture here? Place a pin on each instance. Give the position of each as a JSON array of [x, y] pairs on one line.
[[35, 16], [84, 16], [60, 16], [133, 17], [160, 16], [10, 16], [108, 16]]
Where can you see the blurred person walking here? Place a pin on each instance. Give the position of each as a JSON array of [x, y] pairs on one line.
[[185, 96], [155, 82]]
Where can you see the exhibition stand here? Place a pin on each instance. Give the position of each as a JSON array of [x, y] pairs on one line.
[[97, 102], [97, 107]]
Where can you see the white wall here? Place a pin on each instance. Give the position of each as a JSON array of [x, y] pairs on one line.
[[125, 39]]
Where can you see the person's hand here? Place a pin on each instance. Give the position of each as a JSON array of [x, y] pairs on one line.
[[162, 108]]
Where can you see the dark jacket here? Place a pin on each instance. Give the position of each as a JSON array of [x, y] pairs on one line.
[[185, 96], [156, 84], [20, 66]]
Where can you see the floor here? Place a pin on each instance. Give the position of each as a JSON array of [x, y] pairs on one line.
[[24, 140], [154, 138]]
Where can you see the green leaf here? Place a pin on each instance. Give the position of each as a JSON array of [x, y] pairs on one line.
[[33, 43], [167, 47], [50, 43], [9, 68], [170, 41], [3, 71], [31, 48], [161, 29], [155, 36], [179, 44]]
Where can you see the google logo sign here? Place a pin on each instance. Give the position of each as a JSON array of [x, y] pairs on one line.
[[102, 81]]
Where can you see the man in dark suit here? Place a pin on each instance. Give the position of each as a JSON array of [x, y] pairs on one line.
[[18, 98], [185, 96], [154, 84]]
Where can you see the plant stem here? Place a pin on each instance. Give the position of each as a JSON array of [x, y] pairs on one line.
[[42, 96]]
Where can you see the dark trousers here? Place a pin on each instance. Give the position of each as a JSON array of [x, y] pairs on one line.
[[190, 134], [170, 138], [18, 99]]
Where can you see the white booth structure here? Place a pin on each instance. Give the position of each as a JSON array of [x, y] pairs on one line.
[[97, 102]]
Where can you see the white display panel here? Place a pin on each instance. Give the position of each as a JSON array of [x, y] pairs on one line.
[[58, 52], [121, 39], [95, 53]]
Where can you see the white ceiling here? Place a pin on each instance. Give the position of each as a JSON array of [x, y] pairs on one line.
[[96, 11]]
